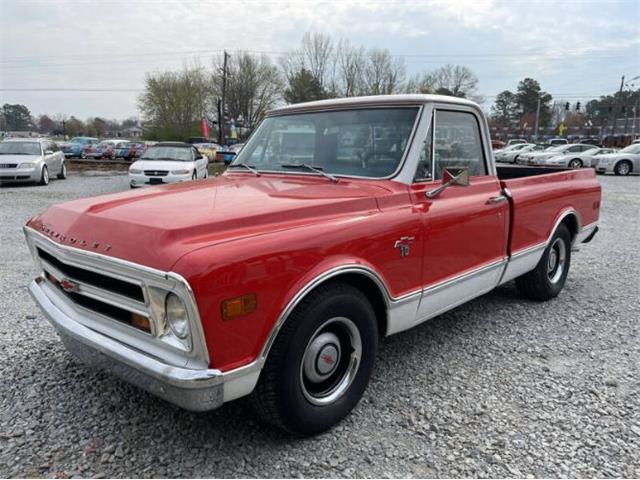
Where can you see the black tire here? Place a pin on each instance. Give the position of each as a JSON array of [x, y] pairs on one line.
[[44, 176], [623, 167], [284, 396], [575, 163], [63, 172], [194, 176], [546, 281]]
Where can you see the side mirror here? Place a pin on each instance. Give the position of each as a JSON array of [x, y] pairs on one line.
[[451, 176], [48, 152]]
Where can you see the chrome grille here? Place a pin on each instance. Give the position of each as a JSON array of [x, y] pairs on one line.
[[102, 294], [156, 173], [8, 165]]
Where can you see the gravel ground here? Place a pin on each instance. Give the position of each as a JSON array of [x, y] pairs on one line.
[[499, 387]]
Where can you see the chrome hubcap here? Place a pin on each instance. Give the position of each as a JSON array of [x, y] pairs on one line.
[[330, 361], [575, 164], [623, 168], [557, 260]]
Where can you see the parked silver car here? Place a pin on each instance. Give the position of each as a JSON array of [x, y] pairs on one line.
[[623, 162], [31, 160], [509, 154]]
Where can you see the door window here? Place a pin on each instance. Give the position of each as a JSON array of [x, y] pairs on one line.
[[458, 143]]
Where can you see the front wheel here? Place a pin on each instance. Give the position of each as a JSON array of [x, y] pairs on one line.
[[320, 363], [194, 176], [44, 176], [547, 280], [575, 163], [63, 172], [622, 168]]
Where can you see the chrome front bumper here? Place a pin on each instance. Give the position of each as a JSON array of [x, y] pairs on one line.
[[195, 390]]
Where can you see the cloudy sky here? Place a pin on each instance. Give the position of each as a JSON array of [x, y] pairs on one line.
[[90, 58]]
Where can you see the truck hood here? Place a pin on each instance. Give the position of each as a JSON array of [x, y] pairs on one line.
[[156, 226]]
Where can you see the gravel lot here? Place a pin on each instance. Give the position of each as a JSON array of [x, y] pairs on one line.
[[499, 387]]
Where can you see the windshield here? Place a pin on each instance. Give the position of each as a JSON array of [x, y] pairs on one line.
[[20, 148], [631, 149], [178, 154], [557, 148], [364, 142]]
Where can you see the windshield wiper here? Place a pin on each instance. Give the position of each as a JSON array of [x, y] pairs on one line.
[[317, 170], [248, 167]]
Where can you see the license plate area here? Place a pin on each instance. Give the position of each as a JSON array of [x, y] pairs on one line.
[[155, 181]]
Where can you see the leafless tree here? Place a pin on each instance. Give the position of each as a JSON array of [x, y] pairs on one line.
[[317, 54], [352, 64], [254, 85], [456, 80], [384, 74]]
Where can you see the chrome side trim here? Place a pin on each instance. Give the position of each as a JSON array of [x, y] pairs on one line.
[[522, 262], [439, 298], [585, 232]]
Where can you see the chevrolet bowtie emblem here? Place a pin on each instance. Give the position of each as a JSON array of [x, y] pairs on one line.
[[404, 245]]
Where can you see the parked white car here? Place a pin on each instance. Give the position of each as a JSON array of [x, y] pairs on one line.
[[31, 160], [573, 159], [508, 154], [168, 162], [623, 162], [541, 157], [593, 157]]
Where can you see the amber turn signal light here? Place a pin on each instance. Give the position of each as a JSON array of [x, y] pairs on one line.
[[238, 306], [141, 322]]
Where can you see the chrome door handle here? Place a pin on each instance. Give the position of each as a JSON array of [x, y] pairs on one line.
[[498, 199]]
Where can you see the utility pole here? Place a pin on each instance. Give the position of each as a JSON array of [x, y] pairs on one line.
[[221, 119], [613, 123], [535, 133]]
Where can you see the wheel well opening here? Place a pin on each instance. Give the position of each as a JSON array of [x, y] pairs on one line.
[[571, 221], [373, 293]]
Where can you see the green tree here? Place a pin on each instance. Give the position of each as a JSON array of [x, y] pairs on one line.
[[304, 87], [505, 108], [16, 117], [527, 97], [174, 103]]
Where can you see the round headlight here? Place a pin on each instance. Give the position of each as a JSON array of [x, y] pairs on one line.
[[177, 316]]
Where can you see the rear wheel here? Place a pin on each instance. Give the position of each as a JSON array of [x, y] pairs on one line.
[[575, 163], [547, 280], [623, 168], [320, 363], [44, 176], [63, 172]]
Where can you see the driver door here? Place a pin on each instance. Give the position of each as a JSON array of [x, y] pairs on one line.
[[465, 227]]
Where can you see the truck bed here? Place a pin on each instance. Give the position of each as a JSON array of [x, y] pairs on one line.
[[539, 196]]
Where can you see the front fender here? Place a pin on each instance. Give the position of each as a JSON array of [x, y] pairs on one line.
[[277, 267]]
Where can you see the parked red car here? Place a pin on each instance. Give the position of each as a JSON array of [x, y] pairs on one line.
[[278, 278]]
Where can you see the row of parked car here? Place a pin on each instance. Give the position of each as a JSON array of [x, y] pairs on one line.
[[111, 149], [91, 147], [574, 155]]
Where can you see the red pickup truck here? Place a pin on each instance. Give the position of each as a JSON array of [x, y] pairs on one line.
[[340, 222]]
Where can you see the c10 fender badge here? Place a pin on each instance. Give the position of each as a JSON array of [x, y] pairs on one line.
[[404, 245]]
